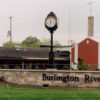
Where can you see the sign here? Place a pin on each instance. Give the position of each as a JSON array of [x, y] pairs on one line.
[[68, 78]]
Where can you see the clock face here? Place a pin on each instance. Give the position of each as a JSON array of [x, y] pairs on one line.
[[51, 21]]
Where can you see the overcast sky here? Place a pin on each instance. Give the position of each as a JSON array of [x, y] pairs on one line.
[[29, 16]]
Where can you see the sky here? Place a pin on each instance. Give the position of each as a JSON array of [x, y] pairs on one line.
[[29, 15]]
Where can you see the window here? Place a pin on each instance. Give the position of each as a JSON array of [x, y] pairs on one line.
[[87, 41]]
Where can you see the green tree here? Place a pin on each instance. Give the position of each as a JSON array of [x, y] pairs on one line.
[[9, 44], [31, 42], [47, 42]]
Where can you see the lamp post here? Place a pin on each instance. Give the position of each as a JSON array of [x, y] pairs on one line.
[[51, 24]]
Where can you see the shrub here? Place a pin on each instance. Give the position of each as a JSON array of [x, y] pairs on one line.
[[81, 66], [65, 67], [97, 69], [80, 61], [1, 78], [1, 67], [86, 67], [36, 67], [17, 67], [6, 66], [28, 67]]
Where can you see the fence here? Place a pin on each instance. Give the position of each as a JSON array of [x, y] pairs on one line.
[[34, 66], [45, 66]]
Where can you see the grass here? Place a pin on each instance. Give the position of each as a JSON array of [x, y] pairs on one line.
[[21, 93]]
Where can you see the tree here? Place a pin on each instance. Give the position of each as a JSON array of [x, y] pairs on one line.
[[47, 42], [30, 42], [9, 44]]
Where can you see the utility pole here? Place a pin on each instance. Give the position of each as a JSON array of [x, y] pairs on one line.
[[90, 6], [10, 31]]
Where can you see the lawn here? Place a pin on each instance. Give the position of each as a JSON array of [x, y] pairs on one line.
[[21, 93]]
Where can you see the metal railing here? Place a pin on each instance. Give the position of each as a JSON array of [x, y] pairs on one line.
[[34, 66], [46, 65]]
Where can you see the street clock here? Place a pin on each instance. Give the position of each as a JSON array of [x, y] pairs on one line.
[[51, 22]]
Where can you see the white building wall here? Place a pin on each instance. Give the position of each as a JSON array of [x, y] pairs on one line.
[[75, 57], [99, 55]]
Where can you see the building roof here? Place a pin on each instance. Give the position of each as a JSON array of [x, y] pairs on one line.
[[96, 39], [19, 52]]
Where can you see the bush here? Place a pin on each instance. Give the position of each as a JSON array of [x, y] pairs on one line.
[[97, 69], [1, 67], [65, 67], [28, 67], [81, 66], [36, 67], [6, 66], [86, 67], [17, 67], [1, 78]]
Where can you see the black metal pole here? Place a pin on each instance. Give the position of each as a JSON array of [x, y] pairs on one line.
[[51, 53], [51, 29], [51, 42]]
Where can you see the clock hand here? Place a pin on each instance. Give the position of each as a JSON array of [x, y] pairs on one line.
[[50, 22]]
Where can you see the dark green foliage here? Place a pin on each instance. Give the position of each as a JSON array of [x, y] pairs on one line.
[[29, 66], [65, 67], [97, 69], [1, 78], [1, 67], [80, 61], [81, 66], [6, 66], [86, 67], [37, 67], [17, 67]]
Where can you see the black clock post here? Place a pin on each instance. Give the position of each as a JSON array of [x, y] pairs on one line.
[[51, 25]]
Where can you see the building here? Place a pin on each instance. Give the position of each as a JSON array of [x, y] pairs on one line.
[[89, 51], [18, 56]]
